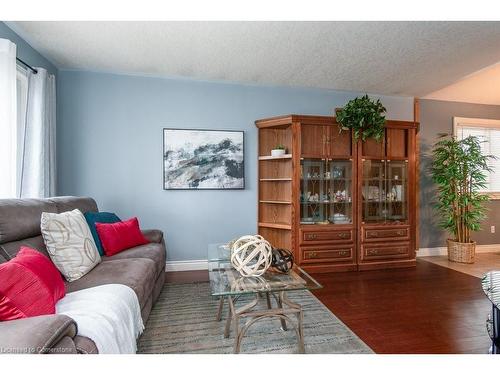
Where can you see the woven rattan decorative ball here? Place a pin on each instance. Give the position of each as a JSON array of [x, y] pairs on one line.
[[251, 255]]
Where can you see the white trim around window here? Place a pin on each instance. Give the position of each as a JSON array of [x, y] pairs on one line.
[[491, 133]]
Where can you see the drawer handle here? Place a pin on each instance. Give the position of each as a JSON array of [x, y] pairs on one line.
[[372, 234], [312, 236], [373, 251], [343, 252], [312, 255], [343, 235], [401, 232]]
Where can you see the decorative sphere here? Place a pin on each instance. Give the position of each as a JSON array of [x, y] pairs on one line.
[[282, 260], [251, 255]]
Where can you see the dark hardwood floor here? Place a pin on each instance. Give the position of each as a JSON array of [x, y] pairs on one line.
[[427, 309]]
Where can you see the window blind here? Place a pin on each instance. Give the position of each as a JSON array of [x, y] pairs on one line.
[[488, 131]]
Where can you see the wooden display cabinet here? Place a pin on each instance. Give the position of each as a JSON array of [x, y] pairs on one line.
[[339, 205], [387, 198]]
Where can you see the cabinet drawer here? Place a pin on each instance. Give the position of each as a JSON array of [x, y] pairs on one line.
[[330, 235], [327, 254], [384, 234], [393, 250]]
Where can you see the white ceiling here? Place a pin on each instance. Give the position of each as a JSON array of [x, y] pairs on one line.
[[394, 58]]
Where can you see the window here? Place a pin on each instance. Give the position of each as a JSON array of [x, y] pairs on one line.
[[7, 118], [488, 131], [12, 134]]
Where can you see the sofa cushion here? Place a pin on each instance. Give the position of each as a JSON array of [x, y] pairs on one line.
[[20, 218], [120, 236], [153, 251], [99, 217], [69, 243], [138, 274]]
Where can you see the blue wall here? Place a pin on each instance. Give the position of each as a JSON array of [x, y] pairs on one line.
[[110, 147], [24, 51]]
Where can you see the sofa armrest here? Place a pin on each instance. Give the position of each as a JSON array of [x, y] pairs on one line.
[[153, 235], [35, 335]]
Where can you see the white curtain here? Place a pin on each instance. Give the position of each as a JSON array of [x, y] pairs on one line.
[[37, 148], [8, 119]]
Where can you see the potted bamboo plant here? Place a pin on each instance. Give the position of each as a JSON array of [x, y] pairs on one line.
[[458, 169]]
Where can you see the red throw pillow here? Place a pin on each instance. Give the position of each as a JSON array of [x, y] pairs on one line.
[[30, 285], [123, 235]]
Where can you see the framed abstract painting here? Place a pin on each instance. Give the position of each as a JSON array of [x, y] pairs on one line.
[[198, 159]]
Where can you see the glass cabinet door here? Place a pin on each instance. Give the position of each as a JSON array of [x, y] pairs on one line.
[[373, 190], [340, 192], [384, 191], [397, 190], [326, 191], [313, 191]]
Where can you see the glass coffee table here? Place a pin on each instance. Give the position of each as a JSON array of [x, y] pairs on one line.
[[227, 284]]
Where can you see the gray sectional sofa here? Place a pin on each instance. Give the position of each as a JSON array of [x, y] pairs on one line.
[[142, 268]]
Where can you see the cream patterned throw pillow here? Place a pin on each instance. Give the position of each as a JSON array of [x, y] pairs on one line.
[[69, 243]]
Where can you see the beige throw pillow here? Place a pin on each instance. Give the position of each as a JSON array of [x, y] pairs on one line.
[[69, 243]]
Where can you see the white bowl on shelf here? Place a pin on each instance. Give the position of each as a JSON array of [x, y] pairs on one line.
[[277, 152]]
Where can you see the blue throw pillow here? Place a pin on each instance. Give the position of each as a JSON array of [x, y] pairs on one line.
[[99, 217]]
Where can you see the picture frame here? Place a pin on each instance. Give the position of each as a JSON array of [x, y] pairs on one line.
[[203, 159]]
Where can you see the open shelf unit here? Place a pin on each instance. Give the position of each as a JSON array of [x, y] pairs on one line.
[[275, 186]]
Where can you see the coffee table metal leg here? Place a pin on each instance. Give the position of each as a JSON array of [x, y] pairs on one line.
[[300, 320], [235, 318], [219, 311], [235, 314], [280, 305], [254, 316], [237, 339], [229, 317]]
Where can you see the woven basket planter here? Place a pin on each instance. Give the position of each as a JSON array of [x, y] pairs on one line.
[[461, 252]]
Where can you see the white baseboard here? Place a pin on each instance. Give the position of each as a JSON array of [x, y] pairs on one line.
[[435, 251], [186, 265]]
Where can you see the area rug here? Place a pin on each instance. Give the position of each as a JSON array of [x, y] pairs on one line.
[[183, 321]]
